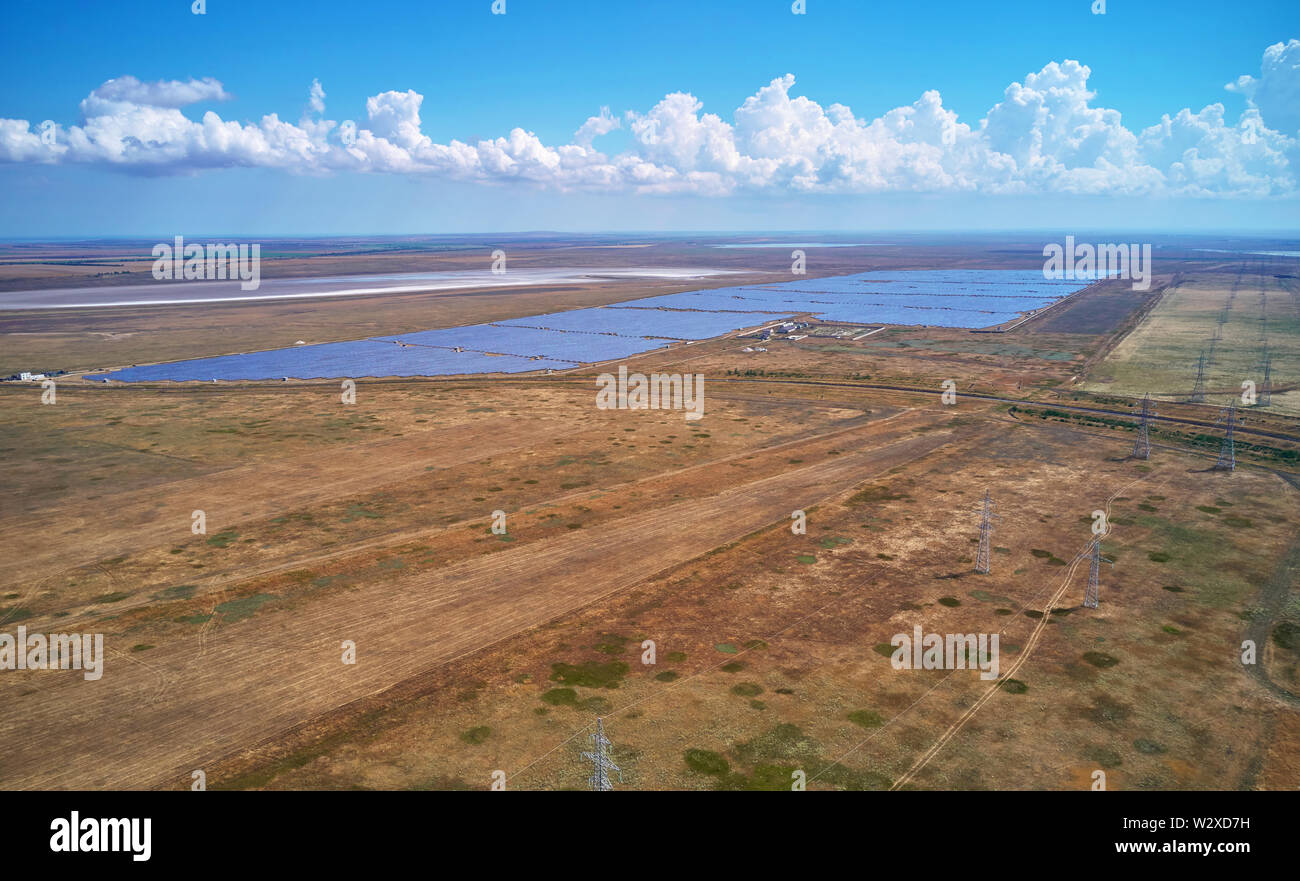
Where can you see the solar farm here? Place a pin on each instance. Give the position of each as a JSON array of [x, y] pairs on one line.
[[562, 340]]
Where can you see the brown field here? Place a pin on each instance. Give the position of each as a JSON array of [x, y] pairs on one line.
[[479, 652]]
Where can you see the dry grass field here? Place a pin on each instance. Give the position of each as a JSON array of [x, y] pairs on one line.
[[479, 652], [1231, 318]]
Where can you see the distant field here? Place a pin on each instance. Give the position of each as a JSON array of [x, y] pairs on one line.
[[1230, 319]]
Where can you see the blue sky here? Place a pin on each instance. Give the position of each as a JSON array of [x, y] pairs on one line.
[[546, 67]]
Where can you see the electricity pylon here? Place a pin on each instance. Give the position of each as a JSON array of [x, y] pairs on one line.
[[1198, 390], [1142, 445], [601, 763], [1266, 390], [1228, 451], [1094, 574], [986, 532]]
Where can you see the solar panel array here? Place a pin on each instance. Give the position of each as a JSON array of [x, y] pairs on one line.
[[531, 341], [945, 298], [642, 322], [559, 340], [356, 358]]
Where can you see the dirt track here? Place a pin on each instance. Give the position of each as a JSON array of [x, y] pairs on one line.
[[149, 724]]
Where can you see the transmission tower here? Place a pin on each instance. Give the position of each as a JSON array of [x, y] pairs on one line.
[[601, 763], [1228, 452], [986, 533], [1266, 390], [1198, 390], [1094, 574], [1142, 445]]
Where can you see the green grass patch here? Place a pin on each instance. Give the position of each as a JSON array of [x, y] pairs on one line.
[[590, 674], [245, 607], [476, 735], [611, 644], [703, 761], [1106, 758], [1148, 747], [1100, 659], [223, 539], [866, 718], [115, 597], [560, 697], [196, 618], [1287, 635]]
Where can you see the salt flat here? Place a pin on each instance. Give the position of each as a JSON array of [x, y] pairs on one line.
[[173, 293]]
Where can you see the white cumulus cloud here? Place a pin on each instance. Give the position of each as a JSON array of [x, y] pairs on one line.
[[1276, 92], [1046, 134]]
